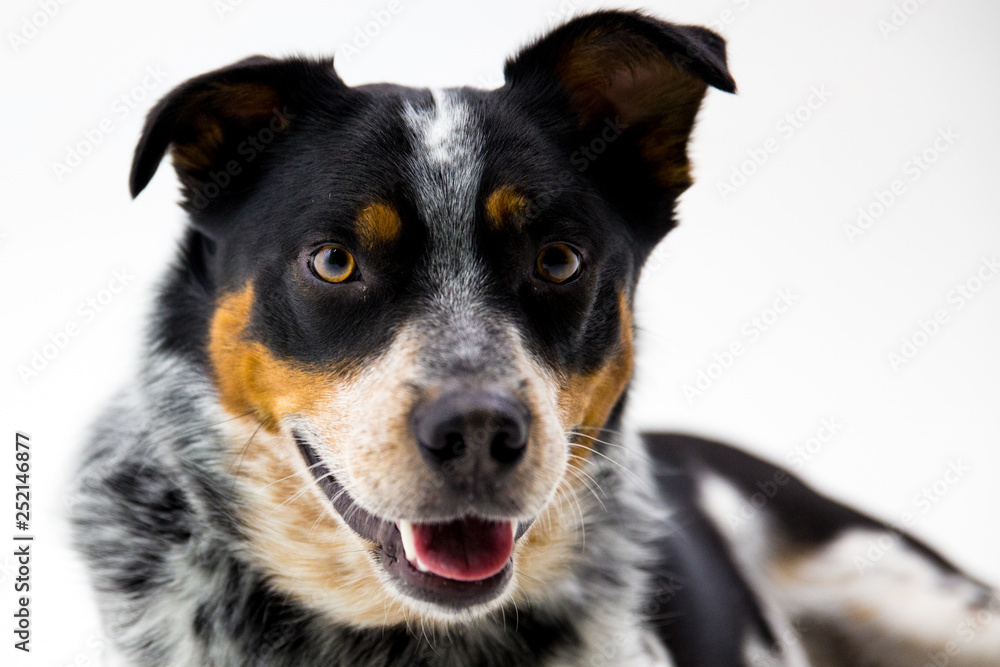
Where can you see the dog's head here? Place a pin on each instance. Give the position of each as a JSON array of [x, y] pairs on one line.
[[417, 304]]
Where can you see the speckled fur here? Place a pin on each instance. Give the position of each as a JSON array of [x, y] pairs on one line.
[[632, 559]]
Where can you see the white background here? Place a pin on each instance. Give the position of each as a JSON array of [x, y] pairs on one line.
[[784, 228]]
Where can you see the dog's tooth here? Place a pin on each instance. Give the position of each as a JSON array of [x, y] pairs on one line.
[[409, 543], [420, 566], [513, 529]]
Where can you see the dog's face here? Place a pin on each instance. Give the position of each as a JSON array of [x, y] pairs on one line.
[[416, 305]]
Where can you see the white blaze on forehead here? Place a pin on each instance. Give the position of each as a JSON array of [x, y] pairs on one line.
[[447, 133], [445, 166], [445, 169]]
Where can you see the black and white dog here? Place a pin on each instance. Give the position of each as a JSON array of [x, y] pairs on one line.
[[380, 421]]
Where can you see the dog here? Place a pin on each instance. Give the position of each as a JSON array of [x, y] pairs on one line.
[[381, 417]]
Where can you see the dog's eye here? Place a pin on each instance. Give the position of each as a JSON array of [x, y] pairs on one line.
[[558, 263], [333, 263]]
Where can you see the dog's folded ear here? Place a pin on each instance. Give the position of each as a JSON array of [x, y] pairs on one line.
[[216, 124], [630, 83]]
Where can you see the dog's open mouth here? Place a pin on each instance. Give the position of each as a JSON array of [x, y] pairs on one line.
[[468, 549], [458, 564]]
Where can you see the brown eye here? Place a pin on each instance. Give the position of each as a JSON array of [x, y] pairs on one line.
[[333, 263], [558, 263]]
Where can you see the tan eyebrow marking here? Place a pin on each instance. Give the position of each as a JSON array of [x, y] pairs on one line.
[[505, 206], [378, 224]]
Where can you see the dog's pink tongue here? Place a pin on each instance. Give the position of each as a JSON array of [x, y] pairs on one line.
[[464, 550]]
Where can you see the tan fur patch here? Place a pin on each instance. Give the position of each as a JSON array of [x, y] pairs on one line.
[[296, 535], [303, 543], [625, 78], [586, 401], [249, 378], [225, 113], [378, 225], [309, 552], [300, 540], [505, 206]]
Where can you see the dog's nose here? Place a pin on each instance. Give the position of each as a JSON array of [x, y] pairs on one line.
[[472, 435]]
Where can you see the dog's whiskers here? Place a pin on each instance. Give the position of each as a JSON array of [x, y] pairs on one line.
[[184, 434], [243, 453], [297, 472], [624, 468], [585, 461], [563, 493], [296, 495], [608, 443], [579, 474]]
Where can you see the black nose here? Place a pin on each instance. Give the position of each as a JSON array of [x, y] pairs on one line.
[[472, 435]]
